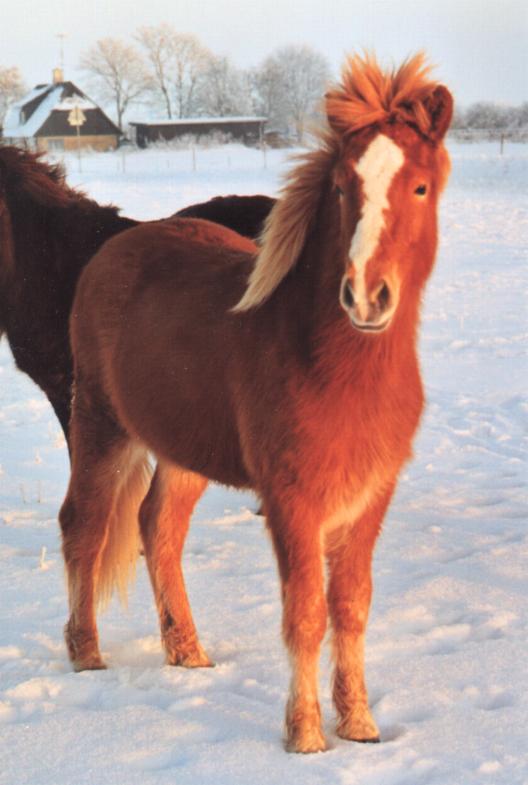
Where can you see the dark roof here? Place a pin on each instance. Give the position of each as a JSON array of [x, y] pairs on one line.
[[45, 111]]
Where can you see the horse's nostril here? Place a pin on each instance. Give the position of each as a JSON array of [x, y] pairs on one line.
[[347, 294], [383, 296]]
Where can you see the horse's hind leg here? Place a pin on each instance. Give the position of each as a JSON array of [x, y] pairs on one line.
[[349, 593], [164, 520], [103, 466]]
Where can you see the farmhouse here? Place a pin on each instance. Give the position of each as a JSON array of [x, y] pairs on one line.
[[248, 130], [59, 116]]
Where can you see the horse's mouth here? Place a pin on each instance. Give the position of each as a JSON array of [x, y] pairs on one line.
[[365, 327]]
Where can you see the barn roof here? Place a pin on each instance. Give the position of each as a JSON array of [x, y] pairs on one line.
[[199, 121], [44, 112]]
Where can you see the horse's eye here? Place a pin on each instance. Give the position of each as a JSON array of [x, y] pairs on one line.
[[421, 190], [339, 190]]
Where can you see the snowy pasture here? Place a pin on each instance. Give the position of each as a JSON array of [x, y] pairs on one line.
[[448, 634]]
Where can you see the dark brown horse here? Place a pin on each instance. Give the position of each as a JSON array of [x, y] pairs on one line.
[[293, 373], [48, 233], [244, 214]]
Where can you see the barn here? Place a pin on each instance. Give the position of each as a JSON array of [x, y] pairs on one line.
[[46, 118], [248, 130]]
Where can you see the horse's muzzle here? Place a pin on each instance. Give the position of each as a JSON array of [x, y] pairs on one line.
[[372, 316]]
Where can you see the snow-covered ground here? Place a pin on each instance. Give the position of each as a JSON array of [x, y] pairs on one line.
[[448, 636]]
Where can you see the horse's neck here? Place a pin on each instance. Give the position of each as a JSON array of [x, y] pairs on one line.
[[292, 313], [305, 311], [88, 225], [60, 240]]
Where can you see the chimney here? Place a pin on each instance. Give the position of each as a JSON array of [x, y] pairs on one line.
[[58, 76]]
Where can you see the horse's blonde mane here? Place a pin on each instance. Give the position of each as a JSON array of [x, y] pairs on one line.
[[366, 95], [286, 227]]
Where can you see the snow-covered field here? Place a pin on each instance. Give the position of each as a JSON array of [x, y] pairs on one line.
[[448, 636]]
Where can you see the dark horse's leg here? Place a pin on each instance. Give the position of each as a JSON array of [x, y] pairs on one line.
[[349, 555], [164, 520], [55, 378], [62, 408]]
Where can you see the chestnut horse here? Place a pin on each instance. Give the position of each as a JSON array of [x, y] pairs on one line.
[[293, 372], [48, 233]]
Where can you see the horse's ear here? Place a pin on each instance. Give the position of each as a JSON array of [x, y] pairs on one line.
[[439, 107]]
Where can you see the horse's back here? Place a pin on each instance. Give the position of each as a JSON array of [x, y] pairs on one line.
[[174, 258], [245, 214]]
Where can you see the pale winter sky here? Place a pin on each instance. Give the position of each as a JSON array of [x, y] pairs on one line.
[[479, 46]]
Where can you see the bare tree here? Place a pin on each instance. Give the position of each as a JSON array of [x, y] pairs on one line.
[[178, 63], [486, 114], [268, 86], [190, 63], [158, 45], [489, 120], [12, 88], [225, 90], [521, 118], [117, 72], [291, 82]]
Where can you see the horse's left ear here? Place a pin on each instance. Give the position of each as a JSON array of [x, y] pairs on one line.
[[439, 107]]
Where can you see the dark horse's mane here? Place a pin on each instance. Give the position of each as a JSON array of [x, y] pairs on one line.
[[26, 171], [54, 230], [36, 190], [48, 233]]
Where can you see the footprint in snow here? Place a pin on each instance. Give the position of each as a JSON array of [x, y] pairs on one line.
[[492, 698]]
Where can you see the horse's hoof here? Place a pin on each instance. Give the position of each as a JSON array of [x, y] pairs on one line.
[[94, 664], [305, 737], [307, 743], [197, 662], [363, 730], [190, 659]]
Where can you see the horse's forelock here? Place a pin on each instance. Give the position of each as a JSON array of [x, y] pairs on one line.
[[367, 94]]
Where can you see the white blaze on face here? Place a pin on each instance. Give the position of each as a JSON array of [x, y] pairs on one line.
[[377, 167]]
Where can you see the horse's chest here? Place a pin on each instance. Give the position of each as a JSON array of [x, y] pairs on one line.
[[346, 505], [356, 450]]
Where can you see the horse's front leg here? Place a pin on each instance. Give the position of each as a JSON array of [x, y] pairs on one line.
[[297, 545], [349, 593]]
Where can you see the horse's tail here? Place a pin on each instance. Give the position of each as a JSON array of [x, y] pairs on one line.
[[122, 546]]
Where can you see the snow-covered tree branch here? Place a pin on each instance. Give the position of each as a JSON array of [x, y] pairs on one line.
[[178, 63], [117, 73], [12, 88], [289, 83]]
